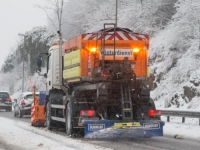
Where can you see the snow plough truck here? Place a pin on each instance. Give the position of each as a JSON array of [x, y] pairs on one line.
[[95, 84]]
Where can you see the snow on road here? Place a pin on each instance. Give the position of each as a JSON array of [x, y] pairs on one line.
[[27, 137]]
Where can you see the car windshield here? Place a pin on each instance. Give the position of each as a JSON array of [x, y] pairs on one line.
[[30, 96], [4, 94]]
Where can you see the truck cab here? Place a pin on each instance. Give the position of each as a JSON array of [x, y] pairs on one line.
[[53, 68]]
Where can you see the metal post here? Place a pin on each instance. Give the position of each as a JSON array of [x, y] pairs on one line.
[[23, 67], [60, 43], [183, 119], [199, 32], [23, 60], [116, 12], [29, 64], [60, 58], [168, 118]]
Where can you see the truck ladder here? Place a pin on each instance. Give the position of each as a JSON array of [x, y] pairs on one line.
[[107, 28], [127, 109]]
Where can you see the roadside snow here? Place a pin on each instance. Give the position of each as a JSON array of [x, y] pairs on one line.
[[188, 130], [27, 137]]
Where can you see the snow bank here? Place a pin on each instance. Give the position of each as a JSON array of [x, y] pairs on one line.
[[23, 135], [188, 130]]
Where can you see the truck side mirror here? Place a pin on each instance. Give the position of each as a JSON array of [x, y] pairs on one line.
[[39, 61]]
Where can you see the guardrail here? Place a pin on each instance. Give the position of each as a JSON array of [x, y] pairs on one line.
[[180, 113]]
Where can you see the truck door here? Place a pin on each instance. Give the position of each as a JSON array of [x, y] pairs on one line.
[[49, 74]]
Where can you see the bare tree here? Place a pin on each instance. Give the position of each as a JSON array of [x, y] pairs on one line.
[[54, 13]]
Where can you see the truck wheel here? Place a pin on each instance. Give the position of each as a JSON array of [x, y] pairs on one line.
[[48, 116], [68, 119]]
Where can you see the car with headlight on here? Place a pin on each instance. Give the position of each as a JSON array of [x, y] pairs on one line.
[[22, 105], [5, 101]]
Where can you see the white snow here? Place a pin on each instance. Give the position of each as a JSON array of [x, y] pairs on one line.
[[173, 57], [22, 134], [187, 130]]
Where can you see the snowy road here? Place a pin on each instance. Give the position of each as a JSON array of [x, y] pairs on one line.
[[17, 134]]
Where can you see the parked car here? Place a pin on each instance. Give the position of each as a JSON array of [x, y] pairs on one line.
[[22, 105], [5, 101]]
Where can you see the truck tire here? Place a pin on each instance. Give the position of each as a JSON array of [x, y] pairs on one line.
[[48, 116], [68, 118]]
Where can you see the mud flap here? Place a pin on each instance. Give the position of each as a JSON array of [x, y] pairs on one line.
[[106, 129]]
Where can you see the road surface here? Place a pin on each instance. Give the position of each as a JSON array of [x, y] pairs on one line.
[[155, 143]]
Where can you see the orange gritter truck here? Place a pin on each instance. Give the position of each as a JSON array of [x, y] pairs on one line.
[[95, 85]]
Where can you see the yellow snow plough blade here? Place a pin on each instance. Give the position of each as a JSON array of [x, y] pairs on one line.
[[127, 124]]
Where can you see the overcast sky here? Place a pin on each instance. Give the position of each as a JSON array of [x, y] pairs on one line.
[[18, 16]]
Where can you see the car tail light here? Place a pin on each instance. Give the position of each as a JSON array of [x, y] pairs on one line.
[[153, 113], [23, 102], [8, 99], [87, 113]]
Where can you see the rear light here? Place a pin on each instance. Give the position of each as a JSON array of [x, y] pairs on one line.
[[93, 50], [153, 113], [87, 113], [8, 99], [23, 102], [136, 50], [105, 73]]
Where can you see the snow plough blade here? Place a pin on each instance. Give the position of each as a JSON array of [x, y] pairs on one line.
[[117, 129]]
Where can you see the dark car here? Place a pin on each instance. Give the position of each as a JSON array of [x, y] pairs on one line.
[[22, 105], [5, 101]]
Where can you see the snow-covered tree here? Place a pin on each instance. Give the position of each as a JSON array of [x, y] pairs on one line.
[[38, 40], [175, 58], [81, 16]]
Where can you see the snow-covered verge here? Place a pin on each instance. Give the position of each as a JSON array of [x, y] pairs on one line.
[[21, 134], [176, 129]]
